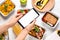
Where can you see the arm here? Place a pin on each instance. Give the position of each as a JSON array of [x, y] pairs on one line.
[[11, 22], [25, 31]]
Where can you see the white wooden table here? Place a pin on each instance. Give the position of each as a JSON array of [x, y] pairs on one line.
[[55, 10]]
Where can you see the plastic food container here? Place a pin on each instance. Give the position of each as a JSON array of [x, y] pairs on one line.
[[6, 8], [36, 34], [50, 20], [17, 29], [4, 36], [23, 11]]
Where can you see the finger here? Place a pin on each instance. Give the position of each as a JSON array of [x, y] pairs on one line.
[[33, 22], [20, 13], [19, 16]]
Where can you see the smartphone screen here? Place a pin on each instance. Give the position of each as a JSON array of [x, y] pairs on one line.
[[28, 18]]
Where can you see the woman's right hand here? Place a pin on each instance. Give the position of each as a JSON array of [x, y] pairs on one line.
[[31, 25]]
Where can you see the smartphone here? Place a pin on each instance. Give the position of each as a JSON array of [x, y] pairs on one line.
[[28, 18]]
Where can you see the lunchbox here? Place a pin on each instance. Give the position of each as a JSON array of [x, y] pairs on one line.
[[50, 26], [4, 5]]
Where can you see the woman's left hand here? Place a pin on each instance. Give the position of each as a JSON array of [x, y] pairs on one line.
[[14, 19]]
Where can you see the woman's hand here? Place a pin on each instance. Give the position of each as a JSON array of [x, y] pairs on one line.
[[25, 31], [10, 23], [14, 19], [30, 26]]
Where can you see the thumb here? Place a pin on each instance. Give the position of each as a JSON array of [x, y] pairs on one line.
[[33, 22]]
